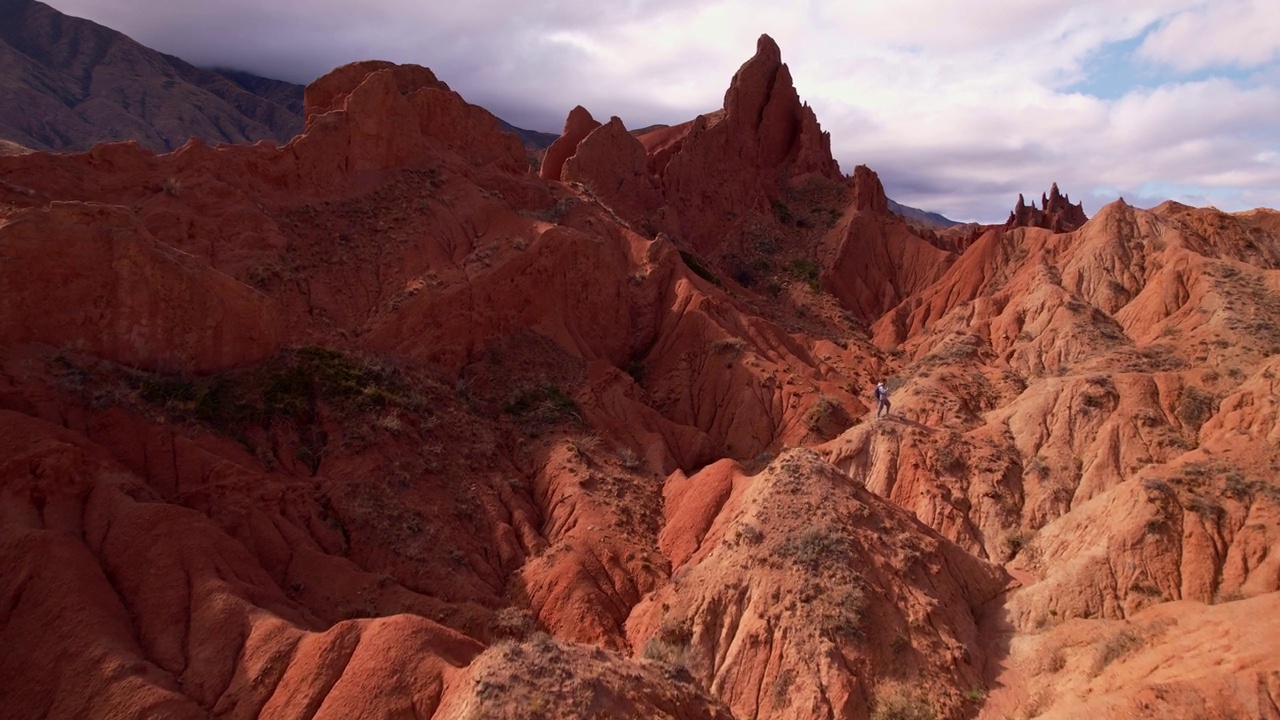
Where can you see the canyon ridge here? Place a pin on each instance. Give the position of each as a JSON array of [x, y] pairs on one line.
[[396, 419]]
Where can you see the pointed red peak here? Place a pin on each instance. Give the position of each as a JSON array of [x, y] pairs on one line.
[[577, 126], [753, 83], [868, 192]]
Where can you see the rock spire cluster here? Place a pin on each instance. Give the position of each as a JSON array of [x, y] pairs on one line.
[[1055, 213]]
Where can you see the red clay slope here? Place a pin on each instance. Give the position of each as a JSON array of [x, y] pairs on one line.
[[383, 423]]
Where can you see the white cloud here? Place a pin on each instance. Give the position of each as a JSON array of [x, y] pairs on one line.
[[959, 106], [1240, 33]]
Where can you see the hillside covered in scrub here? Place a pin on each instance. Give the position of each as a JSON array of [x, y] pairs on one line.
[[388, 422]]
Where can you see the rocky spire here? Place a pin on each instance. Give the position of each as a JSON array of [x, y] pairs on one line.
[[868, 192], [577, 127], [1058, 214], [732, 162]]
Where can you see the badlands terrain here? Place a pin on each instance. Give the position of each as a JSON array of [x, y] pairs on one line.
[[399, 421]]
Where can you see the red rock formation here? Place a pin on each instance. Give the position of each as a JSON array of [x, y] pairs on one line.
[[875, 260], [801, 539], [736, 161], [375, 116], [577, 126], [381, 423], [333, 90], [1159, 661], [1056, 213], [108, 287], [612, 164], [762, 108], [664, 142], [868, 193]]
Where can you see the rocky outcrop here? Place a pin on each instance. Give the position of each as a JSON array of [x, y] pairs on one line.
[[722, 164], [577, 126], [803, 539], [874, 259], [1056, 213], [1158, 663], [333, 90], [373, 116], [662, 143], [868, 193], [736, 161], [612, 163], [716, 172], [763, 109]]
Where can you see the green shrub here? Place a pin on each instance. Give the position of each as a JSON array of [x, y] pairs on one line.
[[728, 346], [825, 409], [1195, 407], [658, 650], [806, 270], [1015, 541], [844, 618], [288, 385], [815, 548], [543, 404], [782, 212], [699, 269], [513, 623]]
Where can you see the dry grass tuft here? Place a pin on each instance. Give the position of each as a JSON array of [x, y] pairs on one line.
[[901, 701], [1115, 647]]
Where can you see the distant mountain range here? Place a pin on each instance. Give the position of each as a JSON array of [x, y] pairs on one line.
[[71, 83], [532, 139], [924, 217], [67, 84], [286, 94]]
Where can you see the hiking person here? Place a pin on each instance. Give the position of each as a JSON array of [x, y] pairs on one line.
[[882, 399]]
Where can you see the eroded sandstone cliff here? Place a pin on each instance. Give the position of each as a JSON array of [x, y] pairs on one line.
[[385, 422]]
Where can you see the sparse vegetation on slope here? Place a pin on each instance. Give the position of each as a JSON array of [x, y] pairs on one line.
[[546, 476]]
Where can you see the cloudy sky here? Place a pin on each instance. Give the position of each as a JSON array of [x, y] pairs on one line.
[[959, 106]]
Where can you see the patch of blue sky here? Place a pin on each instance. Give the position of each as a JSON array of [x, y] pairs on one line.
[[1175, 190], [1115, 70], [1150, 194]]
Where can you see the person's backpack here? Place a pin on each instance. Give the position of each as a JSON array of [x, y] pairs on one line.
[[876, 394]]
